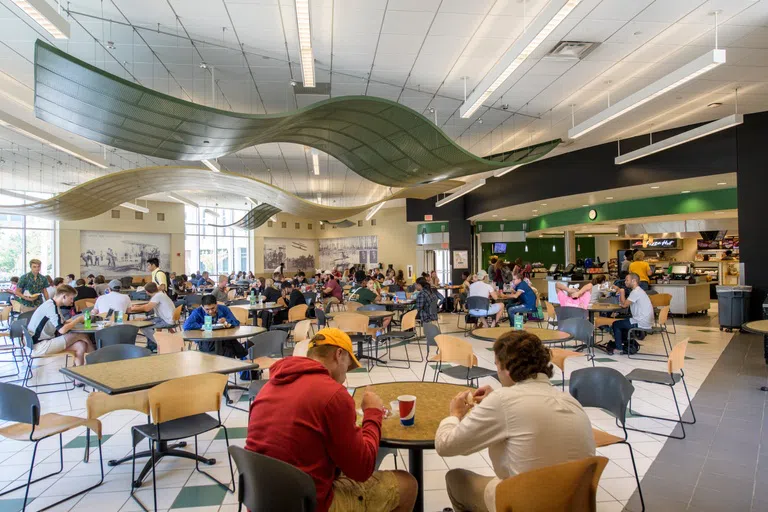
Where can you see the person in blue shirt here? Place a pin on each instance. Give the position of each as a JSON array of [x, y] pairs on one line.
[[219, 315], [525, 294]]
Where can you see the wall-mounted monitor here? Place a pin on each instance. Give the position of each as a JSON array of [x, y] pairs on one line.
[[499, 248]]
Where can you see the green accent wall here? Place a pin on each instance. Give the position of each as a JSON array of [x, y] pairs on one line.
[[648, 207], [540, 250], [432, 227], [495, 226]]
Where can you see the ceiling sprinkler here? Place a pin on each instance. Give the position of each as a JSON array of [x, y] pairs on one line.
[[111, 45], [203, 65]]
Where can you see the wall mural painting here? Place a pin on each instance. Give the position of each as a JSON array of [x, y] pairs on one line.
[[114, 254], [295, 253], [344, 252]]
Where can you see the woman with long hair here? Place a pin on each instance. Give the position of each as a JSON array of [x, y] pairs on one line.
[[426, 301]]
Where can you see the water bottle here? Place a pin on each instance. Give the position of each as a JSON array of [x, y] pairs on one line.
[[252, 299], [261, 300], [120, 317], [87, 318], [208, 325], [518, 322]]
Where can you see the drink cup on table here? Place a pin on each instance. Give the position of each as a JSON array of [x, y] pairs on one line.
[[394, 406], [407, 406]]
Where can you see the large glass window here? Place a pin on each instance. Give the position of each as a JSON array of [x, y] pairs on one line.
[[22, 239], [215, 250]]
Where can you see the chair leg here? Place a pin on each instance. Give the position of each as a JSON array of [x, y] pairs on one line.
[[426, 364], [197, 465], [679, 420], [86, 455], [637, 477], [690, 404], [80, 493]]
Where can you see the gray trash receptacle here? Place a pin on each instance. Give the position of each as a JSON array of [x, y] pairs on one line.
[[733, 306]]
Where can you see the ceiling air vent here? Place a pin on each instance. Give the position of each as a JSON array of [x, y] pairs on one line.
[[572, 50]]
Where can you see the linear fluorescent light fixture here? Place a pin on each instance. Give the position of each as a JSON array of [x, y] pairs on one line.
[[35, 133], [316, 162], [502, 172], [305, 43], [182, 199], [212, 165], [547, 21], [134, 206], [374, 210], [693, 69], [253, 202], [464, 189], [45, 16], [682, 138], [211, 212]]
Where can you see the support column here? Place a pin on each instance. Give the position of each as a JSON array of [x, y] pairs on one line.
[[570, 247]]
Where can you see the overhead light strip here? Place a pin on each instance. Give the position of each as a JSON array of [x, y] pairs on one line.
[[502, 172], [547, 21], [253, 202], [182, 199], [698, 67], [212, 165], [305, 43], [35, 133], [464, 189], [134, 206], [211, 212], [682, 138], [316, 162], [374, 210], [45, 16]]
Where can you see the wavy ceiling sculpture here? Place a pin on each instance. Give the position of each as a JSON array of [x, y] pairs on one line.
[[257, 216], [380, 140], [346, 223], [101, 194]]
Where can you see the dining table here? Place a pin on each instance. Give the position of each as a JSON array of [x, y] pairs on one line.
[[545, 335]]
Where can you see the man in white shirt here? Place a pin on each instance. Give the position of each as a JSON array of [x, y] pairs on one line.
[[163, 308], [112, 299], [481, 288], [527, 424], [641, 308]]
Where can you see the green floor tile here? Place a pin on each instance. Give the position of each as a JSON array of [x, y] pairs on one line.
[[234, 433], [605, 360], [79, 442], [13, 505], [200, 496], [696, 342], [362, 369]]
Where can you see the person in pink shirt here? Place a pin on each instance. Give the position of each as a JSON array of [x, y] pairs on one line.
[[573, 297]]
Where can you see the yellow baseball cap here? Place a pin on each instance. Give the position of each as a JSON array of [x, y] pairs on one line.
[[337, 338]]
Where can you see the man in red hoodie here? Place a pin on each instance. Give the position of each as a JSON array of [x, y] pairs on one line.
[[305, 416]]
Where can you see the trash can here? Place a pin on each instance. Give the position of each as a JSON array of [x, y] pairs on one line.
[[733, 306]]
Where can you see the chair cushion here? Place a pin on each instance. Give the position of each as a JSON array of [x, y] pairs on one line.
[[604, 438], [49, 424], [460, 372], [653, 376], [179, 428]]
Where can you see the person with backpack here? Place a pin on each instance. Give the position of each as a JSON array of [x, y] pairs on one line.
[[159, 277]]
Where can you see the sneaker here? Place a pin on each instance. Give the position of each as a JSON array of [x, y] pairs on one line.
[[610, 347]]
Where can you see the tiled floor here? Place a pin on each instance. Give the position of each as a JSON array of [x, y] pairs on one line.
[[181, 488]]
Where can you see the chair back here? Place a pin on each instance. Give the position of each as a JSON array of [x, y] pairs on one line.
[[408, 321], [186, 396], [676, 360], [562, 487], [126, 282], [116, 353], [663, 314], [241, 314], [193, 301], [137, 296], [98, 404], [301, 330], [5, 297], [455, 350], [267, 344], [580, 328], [168, 343], [309, 298], [301, 348], [353, 306], [17, 329], [81, 304], [297, 312], [25, 316], [660, 300], [559, 356], [321, 320], [231, 294], [602, 387], [564, 313], [351, 322], [116, 334], [265, 483], [481, 303], [19, 404], [431, 331], [28, 341], [551, 315], [177, 314]]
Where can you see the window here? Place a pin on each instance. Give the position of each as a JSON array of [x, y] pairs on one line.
[[309, 226], [22, 239], [297, 225], [322, 227], [284, 225], [115, 214], [373, 222], [359, 223], [161, 217], [269, 223], [215, 250], [138, 215]]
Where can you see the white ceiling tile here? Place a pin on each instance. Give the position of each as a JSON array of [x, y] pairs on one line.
[[618, 9], [594, 30], [638, 32], [407, 22], [456, 25], [410, 5]]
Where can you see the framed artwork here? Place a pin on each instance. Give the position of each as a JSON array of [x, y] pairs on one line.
[[460, 259], [410, 273]]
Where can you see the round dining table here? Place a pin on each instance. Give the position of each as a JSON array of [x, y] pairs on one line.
[[433, 400], [759, 327], [602, 307], [98, 326], [373, 315], [545, 335], [218, 335]]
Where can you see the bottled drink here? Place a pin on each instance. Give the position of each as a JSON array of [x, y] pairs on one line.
[[208, 325], [87, 318], [252, 299], [120, 317]]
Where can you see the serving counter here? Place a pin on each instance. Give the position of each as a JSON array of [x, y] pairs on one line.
[[687, 298]]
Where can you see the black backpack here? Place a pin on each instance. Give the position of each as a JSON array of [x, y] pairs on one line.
[[169, 285]]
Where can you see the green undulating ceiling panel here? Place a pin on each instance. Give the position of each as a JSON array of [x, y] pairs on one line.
[[380, 140], [257, 216]]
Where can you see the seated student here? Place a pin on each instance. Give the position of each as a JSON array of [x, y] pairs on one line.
[[332, 292], [113, 300], [50, 333], [526, 424], [574, 297], [360, 292], [204, 280], [426, 301], [305, 417], [83, 291], [481, 288], [100, 285], [641, 308], [221, 315], [220, 290], [525, 293], [270, 292], [163, 308], [292, 296]]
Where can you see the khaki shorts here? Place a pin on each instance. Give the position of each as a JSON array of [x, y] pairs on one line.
[[50, 346], [380, 493]]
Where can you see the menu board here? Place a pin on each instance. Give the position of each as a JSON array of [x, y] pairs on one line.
[[731, 242]]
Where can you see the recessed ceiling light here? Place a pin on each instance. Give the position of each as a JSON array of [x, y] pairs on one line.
[[541, 236], [494, 215], [715, 104], [609, 197], [543, 204], [655, 187], [534, 211], [503, 219], [722, 183], [685, 192], [719, 213], [585, 206]]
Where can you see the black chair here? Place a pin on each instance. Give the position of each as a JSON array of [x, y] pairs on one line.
[[265, 484], [192, 301], [582, 330], [16, 346], [31, 358], [117, 353], [430, 332], [606, 389], [116, 335], [265, 345], [321, 320], [406, 333], [6, 297], [476, 303], [126, 282], [22, 406], [564, 313], [138, 296], [309, 298]]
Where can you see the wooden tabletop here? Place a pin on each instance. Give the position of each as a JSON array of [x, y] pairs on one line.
[[256, 307], [604, 307], [405, 302], [95, 328], [432, 406], [233, 333], [139, 302], [145, 372], [757, 326], [545, 335], [375, 315]]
